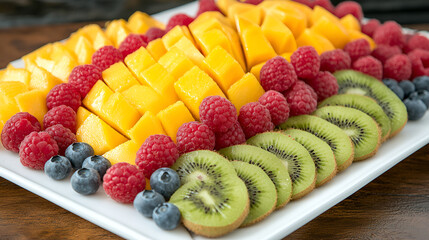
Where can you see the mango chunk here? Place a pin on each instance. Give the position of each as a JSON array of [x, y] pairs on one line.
[[173, 117], [175, 34], [6, 112], [8, 91], [280, 36], [156, 48], [176, 62], [310, 38], [119, 78], [256, 70], [44, 63], [60, 50], [319, 12], [144, 98], [43, 80], [43, 52], [147, 125], [248, 11], [63, 67], [140, 22], [350, 22], [354, 35], [333, 31], [295, 20], [191, 51], [125, 152], [100, 41], [33, 102], [139, 61], [210, 39], [97, 97], [84, 50], [117, 31], [161, 81], [245, 90], [16, 74], [81, 115]]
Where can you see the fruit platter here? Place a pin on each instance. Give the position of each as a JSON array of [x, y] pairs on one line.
[[246, 120]]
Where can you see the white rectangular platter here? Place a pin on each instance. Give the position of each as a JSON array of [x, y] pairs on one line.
[[126, 222]]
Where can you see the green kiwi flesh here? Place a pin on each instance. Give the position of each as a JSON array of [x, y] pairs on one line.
[[276, 170], [301, 167], [336, 138], [361, 128], [321, 153], [262, 192], [354, 82]]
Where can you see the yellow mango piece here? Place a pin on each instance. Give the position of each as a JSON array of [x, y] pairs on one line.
[[8, 91], [147, 125], [175, 34], [63, 67], [99, 135], [100, 41], [210, 39], [295, 20], [70, 43], [287, 55], [191, 51], [43, 52], [176, 62], [173, 117], [333, 31], [45, 63], [139, 61], [246, 90], [125, 152], [256, 70], [156, 48], [319, 12], [84, 50], [350, 22], [117, 31], [248, 11], [81, 115], [299, 6], [140, 22], [280, 36], [354, 35], [16, 74], [43, 80], [224, 5], [310, 38], [206, 16], [2, 72], [60, 51], [33, 102], [161, 81], [6, 112], [144, 98], [193, 87], [91, 31], [97, 97], [118, 77]]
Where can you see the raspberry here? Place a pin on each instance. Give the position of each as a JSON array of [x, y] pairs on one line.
[[390, 33], [397, 67], [218, 113], [233, 136], [301, 100], [63, 136], [17, 128], [207, 5], [369, 27], [349, 7], [417, 41], [306, 62], [276, 103], [36, 149], [277, 74], [180, 19], [384, 52], [83, 77], [358, 48], [63, 115], [420, 62], [299, 85], [131, 43], [123, 181], [369, 65], [154, 33], [106, 56], [254, 2], [193, 136], [63, 94], [325, 85], [326, 4], [334, 60], [255, 118], [308, 3], [156, 152]]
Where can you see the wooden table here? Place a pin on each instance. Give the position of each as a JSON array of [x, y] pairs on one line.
[[393, 206]]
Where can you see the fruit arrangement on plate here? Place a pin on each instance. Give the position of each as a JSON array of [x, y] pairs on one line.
[[215, 120]]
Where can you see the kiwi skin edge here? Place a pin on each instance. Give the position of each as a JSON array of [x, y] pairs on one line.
[[306, 191], [349, 161]]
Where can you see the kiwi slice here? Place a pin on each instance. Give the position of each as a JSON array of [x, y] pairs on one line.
[[322, 154], [269, 163], [301, 167], [262, 192], [364, 104], [336, 138], [350, 81]]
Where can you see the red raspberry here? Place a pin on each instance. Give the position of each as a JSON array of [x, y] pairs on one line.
[[233, 136], [349, 7], [369, 65], [369, 27], [420, 62], [417, 41], [132, 43], [17, 128], [123, 181], [384, 52], [207, 5], [36, 149], [335, 60], [63, 94], [254, 2], [308, 3], [193, 136], [277, 74], [326, 4], [63, 115], [83, 77], [106, 56], [276, 103], [301, 99], [397, 67], [306, 62], [218, 113], [255, 118], [156, 152], [301, 85], [325, 85], [63, 136], [390, 33], [154, 33], [358, 48], [180, 19]]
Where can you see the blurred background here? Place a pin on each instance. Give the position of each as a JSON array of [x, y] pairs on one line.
[[15, 13]]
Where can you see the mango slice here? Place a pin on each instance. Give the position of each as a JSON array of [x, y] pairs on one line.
[[16, 74], [139, 61], [173, 117], [147, 125], [245, 90], [156, 48], [33, 102], [125, 152], [140, 22], [97, 97], [144, 98], [161, 81], [310, 38], [176, 62], [331, 30], [280, 36], [350, 22], [119, 78], [81, 115], [117, 31], [43, 80]]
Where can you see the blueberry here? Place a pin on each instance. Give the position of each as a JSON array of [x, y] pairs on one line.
[[77, 152], [145, 202], [398, 91], [58, 167], [165, 181], [99, 163], [421, 83], [415, 108], [86, 181], [166, 216], [407, 86], [390, 82], [422, 95]]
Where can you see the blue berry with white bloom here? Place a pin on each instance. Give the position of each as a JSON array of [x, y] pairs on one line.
[[166, 216], [58, 167], [99, 163], [146, 201], [78, 152], [415, 108], [86, 181], [165, 181]]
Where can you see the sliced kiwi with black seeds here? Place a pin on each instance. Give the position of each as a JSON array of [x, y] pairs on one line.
[[262, 192], [361, 128], [364, 104], [320, 152], [354, 82], [301, 167], [336, 138], [276, 169]]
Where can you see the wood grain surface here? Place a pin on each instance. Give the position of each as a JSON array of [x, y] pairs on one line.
[[393, 206]]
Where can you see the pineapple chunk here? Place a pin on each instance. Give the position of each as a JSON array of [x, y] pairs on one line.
[[176, 62], [244, 91], [147, 125], [161, 81], [43, 80], [33, 102], [144, 98], [156, 48], [118, 77], [84, 50], [16, 74], [125, 152], [8, 91], [139, 61], [173, 117]]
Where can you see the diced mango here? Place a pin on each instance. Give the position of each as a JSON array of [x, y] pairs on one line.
[[81, 115], [144, 98], [175, 34], [33, 102], [191, 51], [173, 117], [333, 31], [125, 152], [176, 62], [118, 77], [298, 6], [319, 12], [256, 70], [140, 22], [310, 38], [245, 90], [91, 31], [43, 80], [44, 63], [100, 41], [8, 91], [280, 36], [287, 55], [6, 112], [117, 31], [161, 81], [156, 48], [139, 61], [97, 97], [84, 50], [210, 39], [43, 52], [224, 5], [18, 74], [350, 22], [63, 67], [248, 11], [354, 35], [59, 50], [147, 125], [295, 20]]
